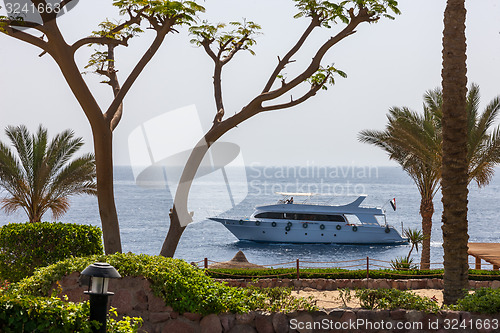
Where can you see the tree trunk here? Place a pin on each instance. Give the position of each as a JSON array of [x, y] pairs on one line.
[[454, 167], [173, 236], [103, 146], [179, 215], [426, 211], [103, 141]]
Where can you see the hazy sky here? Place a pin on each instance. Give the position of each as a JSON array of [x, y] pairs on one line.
[[391, 63]]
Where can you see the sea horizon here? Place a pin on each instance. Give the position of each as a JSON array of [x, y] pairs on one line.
[[143, 211]]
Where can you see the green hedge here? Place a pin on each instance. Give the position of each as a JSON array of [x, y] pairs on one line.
[[53, 315], [184, 287], [27, 246], [338, 273], [325, 273]]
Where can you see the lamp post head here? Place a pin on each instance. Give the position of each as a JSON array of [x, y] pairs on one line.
[[100, 273]]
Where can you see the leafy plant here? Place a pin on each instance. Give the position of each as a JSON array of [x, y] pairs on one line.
[[27, 246], [483, 300], [403, 263], [392, 299], [126, 325], [345, 296], [180, 285], [280, 299], [53, 315], [415, 237]]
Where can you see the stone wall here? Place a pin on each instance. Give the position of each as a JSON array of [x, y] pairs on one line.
[[334, 284], [134, 298]]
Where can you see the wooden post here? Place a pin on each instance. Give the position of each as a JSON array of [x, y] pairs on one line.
[[298, 270], [478, 263], [367, 267], [205, 262]]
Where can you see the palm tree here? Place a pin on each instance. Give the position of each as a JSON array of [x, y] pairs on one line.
[[416, 238], [41, 176], [415, 142], [455, 160]]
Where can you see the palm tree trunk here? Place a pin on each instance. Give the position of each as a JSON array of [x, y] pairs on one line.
[[454, 169], [426, 211]]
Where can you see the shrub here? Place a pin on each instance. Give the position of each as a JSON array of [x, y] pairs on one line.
[[53, 315], [27, 246], [483, 300], [403, 263], [391, 299], [279, 299], [182, 286], [344, 296]]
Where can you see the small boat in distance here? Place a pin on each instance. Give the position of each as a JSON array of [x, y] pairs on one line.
[[292, 222]]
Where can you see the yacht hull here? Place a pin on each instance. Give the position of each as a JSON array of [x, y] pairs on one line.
[[292, 231]]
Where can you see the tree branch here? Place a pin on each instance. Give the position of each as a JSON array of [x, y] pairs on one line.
[[222, 47], [25, 37], [133, 20], [283, 62], [148, 55], [153, 21], [255, 106], [114, 116], [21, 24], [314, 89], [107, 40], [362, 16], [206, 45], [237, 48], [98, 40]]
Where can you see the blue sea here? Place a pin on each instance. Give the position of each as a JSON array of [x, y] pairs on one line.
[[143, 212]]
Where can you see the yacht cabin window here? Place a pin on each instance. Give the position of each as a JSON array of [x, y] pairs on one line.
[[301, 216]]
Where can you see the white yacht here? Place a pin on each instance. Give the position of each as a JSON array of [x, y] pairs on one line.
[[292, 222]]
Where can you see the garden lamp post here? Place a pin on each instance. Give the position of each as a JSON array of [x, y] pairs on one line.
[[99, 274]]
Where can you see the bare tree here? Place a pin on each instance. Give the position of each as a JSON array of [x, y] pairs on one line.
[[162, 16], [222, 46]]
